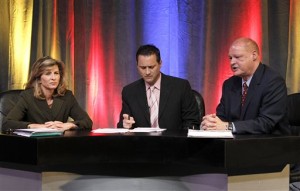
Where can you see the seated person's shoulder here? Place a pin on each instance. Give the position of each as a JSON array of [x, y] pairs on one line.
[[177, 79], [134, 84], [232, 81], [272, 76], [27, 93], [68, 95], [68, 92]]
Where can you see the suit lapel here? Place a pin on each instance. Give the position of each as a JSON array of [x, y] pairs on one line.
[[235, 98], [43, 109], [254, 84], [50, 113], [56, 107], [142, 100], [164, 93]]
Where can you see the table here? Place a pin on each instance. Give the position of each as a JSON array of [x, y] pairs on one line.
[[143, 155]]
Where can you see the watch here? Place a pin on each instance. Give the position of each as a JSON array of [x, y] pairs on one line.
[[230, 126]]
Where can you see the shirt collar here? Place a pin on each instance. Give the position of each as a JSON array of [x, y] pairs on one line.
[[247, 82], [156, 85]]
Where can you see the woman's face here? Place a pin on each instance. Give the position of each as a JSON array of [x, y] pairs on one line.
[[50, 78]]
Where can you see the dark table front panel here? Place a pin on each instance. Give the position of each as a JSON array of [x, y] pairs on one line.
[[156, 152]]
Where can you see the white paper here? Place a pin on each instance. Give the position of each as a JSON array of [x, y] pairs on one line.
[[110, 130], [210, 133], [124, 130], [146, 129]]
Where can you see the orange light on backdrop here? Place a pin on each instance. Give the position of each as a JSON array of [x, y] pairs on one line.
[[19, 41]]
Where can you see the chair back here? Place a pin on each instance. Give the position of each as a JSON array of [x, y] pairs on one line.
[[200, 103], [294, 109], [293, 104], [8, 100]]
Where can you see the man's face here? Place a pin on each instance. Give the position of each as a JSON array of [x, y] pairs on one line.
[[242, 60], [149, 68]]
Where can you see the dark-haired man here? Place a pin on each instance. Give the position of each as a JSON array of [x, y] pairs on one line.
[[157, 100]]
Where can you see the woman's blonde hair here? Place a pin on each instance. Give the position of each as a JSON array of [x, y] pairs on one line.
[[38, 69]]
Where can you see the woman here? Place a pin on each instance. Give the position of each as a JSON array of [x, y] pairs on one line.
[[45, 102]]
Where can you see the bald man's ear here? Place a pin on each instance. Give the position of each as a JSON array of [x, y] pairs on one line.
[[254, 55]]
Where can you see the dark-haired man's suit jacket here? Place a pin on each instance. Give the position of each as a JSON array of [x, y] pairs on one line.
[[265, 109], [177, 105]]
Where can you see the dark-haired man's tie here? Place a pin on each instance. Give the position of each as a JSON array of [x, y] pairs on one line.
[[153, 108]]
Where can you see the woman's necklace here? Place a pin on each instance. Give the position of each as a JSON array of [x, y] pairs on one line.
[[50, 103]]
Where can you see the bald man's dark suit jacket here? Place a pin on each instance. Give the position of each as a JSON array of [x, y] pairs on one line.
[[177, 105], [265, 108], [32, 110]]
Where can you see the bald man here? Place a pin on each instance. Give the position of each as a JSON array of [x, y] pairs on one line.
[[254, 99]]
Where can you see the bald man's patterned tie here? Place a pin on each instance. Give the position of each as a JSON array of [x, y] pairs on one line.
[[244, 93]]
